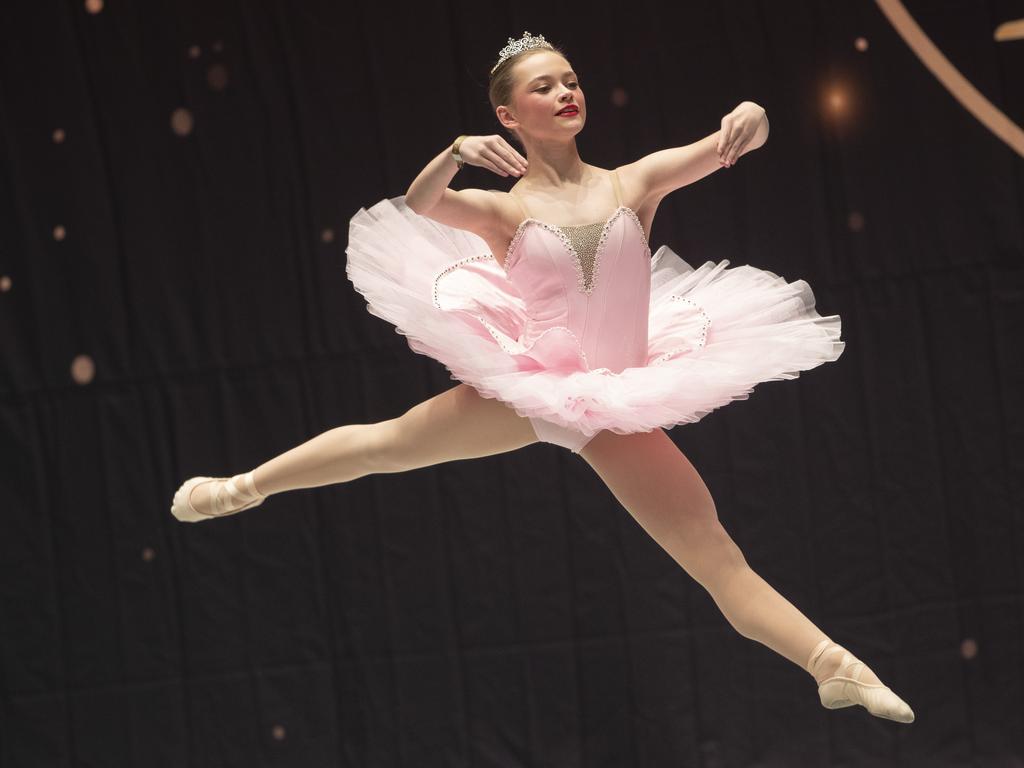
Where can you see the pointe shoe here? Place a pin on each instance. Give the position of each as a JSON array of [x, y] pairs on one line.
[[844, 689], [228, 497]]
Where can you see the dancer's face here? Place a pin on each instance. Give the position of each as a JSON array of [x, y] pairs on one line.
[[546, 83]]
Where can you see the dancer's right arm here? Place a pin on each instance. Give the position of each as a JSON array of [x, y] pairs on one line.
[[475, 210]]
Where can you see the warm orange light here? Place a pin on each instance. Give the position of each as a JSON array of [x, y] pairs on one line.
[[83, 369], [836, 99], [1009, 30], [969, 648], [181, 121], [959, 86]]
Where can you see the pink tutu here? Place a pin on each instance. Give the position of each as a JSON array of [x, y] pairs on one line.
[[704, 337]]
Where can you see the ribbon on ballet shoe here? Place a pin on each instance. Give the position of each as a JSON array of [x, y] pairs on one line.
[[812, 661], [242, 489], [236, 494]]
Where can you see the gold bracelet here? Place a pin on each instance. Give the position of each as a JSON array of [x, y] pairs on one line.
[[455, 151]]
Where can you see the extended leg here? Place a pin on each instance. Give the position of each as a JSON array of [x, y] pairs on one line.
[[456, 424], [660, 488]]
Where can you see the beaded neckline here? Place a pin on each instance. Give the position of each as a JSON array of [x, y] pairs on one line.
[[559, 230]]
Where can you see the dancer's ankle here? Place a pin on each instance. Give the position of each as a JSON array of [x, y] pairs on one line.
[[826, 660], [257, 485], [814, 661]]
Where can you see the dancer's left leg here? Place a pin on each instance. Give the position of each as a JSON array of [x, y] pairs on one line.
[[660, 488]]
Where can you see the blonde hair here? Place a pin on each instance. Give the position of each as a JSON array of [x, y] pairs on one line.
[[502, 82]]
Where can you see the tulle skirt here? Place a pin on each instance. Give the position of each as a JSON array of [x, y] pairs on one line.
[[714, 332]]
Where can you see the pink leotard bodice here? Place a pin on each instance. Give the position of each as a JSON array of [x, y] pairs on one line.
[[593, 280]]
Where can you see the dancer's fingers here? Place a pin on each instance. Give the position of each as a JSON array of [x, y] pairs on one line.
[[726, 135], [501, 163], [511, 159], [737, 151]]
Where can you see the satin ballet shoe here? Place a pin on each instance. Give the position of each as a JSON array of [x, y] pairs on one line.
[[228, 497], [844, 689]]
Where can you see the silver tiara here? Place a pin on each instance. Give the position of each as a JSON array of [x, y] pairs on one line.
[[525, 43]]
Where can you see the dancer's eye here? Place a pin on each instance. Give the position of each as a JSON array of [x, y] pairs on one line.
[[544, 88]]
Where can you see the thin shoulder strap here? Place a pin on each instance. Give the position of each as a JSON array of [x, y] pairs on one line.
[[618, 189], [520, 202]]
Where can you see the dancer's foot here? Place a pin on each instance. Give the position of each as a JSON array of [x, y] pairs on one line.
[[844, 681], [203, 498]]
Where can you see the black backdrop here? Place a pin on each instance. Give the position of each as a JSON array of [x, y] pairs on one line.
[[174, 302]]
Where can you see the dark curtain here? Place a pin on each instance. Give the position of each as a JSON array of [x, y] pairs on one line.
[[176, 184]]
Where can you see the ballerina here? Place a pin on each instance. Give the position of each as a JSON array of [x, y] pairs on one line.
[[577, 337]]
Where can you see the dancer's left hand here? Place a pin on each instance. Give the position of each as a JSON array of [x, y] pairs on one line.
[[738, 128]]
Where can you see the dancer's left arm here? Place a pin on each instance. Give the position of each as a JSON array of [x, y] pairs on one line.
[[743, 129]]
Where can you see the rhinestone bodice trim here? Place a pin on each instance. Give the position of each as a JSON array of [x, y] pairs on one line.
[[584, 242]]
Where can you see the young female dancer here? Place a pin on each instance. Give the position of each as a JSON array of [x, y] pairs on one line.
[[577, 337]]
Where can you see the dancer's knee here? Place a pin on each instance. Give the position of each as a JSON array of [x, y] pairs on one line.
[[384, 447], [713, 555]]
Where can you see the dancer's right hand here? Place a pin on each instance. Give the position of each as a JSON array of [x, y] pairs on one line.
[[493, 153]]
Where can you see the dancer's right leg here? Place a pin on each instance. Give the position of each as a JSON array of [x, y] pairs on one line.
[[458, 423], [662, 490]]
